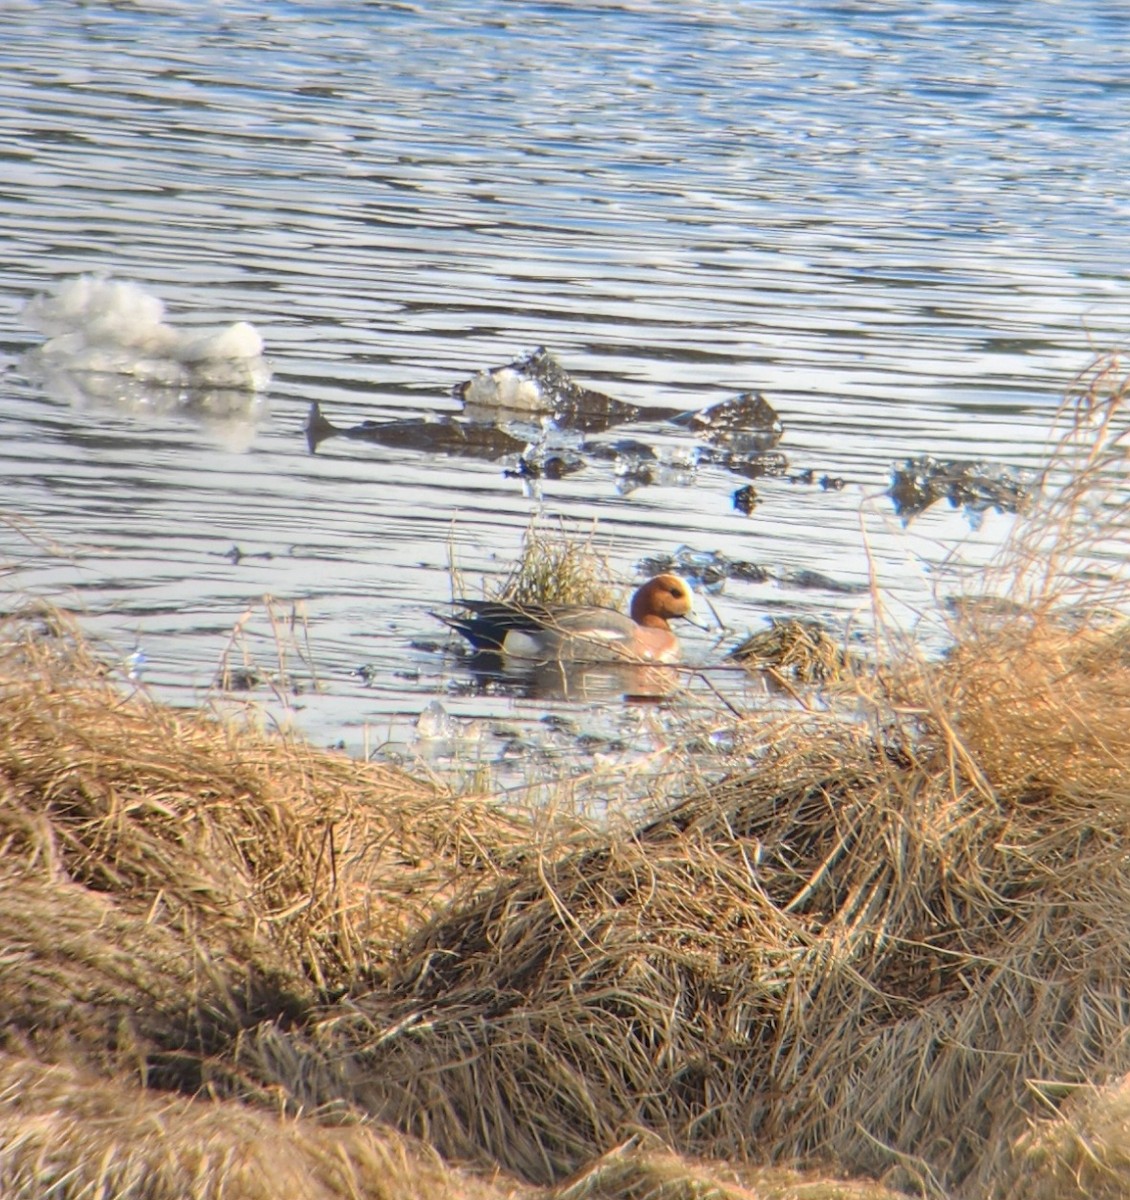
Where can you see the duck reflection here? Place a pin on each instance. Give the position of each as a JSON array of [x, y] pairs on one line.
[[576, 681]]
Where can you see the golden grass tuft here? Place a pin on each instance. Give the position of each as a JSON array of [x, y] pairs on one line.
[[1037, 688], [637, 1171], [182, 878], [1043, 710], [559, 567], [70, 1135], [1082, 1155]]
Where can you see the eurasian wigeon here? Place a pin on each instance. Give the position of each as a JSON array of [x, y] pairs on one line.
[[581, 633]]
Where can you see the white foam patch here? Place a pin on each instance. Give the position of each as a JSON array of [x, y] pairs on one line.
[[104, 326]]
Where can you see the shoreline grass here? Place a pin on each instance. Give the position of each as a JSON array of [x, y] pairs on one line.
[[889, 952]]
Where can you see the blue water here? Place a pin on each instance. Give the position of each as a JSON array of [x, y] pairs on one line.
[[906, 224]]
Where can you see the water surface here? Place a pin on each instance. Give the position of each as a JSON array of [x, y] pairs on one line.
[[904, 223]]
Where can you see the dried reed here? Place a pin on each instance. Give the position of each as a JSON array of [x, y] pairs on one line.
[[68, 1134]]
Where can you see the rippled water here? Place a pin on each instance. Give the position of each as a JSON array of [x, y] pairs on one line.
[[904, 223]]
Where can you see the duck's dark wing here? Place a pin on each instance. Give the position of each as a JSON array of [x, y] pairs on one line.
[[485, 623]]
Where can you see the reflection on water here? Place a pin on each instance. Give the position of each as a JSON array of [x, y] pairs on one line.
[[902, 227], [579, 682]]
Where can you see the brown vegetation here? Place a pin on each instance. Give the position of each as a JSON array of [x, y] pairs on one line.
[[885, 946], [793, 648], [165, 861]]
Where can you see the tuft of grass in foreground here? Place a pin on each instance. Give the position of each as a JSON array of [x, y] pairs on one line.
[[1084, 1154], [881, 947], [190, 877], [68, 1133], [639, 1171]]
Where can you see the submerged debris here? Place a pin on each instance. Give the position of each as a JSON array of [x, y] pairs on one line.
[[805, 577], [239, 679], [703, 568], [746, 499], [759, 465], [829, 483], [623, 450], [540, 462], [975, 486], [711, 568], [678, 468], [445, 435]]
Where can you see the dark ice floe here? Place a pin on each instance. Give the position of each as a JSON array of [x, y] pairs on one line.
[[975, 487], [541, 424]]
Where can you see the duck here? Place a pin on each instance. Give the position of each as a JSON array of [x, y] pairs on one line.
[[581, 633]]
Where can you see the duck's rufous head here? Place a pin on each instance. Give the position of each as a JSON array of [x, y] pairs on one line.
[[660, 600]]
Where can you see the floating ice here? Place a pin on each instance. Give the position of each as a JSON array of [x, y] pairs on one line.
[[539, 384], [435, 721], [101, 326], [503, 388]]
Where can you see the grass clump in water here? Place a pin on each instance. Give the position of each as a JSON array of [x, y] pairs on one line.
[[559, 567], [800, 648]]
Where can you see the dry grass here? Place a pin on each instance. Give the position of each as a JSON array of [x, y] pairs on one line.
[[67, 1134], [559, 567], [639, 1171], [847, 952], [801, 649], [189, 878], [883, 945], [1083, 1155], [864, 945], [1037, 688]]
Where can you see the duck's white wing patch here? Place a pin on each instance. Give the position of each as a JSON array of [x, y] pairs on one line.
[[524, 645]]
